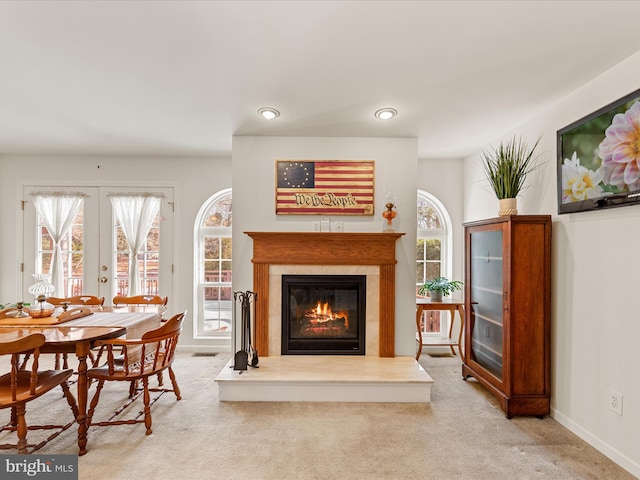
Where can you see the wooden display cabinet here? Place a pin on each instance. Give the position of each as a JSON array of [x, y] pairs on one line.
[[508, 308]]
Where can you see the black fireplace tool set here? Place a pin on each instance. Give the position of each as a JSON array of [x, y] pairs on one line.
[[247, 355]]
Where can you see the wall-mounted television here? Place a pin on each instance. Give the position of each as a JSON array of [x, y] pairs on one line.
[[599, 158]]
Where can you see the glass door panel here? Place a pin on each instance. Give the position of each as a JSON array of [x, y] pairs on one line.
[[79, 259], [154, 258], [486, 299], [95, 257]]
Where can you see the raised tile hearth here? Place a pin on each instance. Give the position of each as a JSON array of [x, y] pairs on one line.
[[310, 378]]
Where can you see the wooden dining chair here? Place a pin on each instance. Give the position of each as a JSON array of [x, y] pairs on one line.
[[73, 301], [138, 360], [21, 385], [77, 300], [143, 300]]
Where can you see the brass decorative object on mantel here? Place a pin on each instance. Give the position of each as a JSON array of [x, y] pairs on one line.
[[389, 214]]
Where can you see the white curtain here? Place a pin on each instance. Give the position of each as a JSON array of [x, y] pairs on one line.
[[135, 214], [57, 211]]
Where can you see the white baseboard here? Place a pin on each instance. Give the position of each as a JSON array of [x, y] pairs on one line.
[[618, 457]]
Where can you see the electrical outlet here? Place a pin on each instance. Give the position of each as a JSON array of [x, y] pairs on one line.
[[615, 402], [315, 226]]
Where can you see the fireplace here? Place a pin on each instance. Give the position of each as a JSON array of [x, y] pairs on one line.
[[323, 314], [280, 253]]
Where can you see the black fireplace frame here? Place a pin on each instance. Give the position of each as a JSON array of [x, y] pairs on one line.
[[325, 346]]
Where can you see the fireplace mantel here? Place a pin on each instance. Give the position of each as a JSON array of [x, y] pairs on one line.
[[321, 248]]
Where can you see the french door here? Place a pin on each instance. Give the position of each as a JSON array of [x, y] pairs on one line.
[[94, 250]]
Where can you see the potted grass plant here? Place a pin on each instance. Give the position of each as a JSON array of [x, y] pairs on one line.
[[506, 168], [438, 287]]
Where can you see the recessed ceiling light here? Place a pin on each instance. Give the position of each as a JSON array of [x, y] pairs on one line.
[[268, 113], [386, 113]]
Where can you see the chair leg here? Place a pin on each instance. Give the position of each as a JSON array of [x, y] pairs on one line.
[[147, 405], [14, 417], [160, 379], [174, 382], [133, 387], [25, 360], [71, 400], [65, 361], [22, 428], [94, 402]]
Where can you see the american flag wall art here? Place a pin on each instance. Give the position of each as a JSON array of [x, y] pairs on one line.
[[325, 187]]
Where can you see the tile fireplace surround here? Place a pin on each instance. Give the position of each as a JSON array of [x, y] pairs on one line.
[[371, 254], [377, 376]]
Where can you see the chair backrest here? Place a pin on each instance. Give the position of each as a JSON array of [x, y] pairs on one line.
[[140, 300], [22, 345], [171, 326], [29, 344], [151, 354], [77, 300]]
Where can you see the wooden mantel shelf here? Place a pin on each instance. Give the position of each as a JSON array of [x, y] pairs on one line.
[[324, 248]]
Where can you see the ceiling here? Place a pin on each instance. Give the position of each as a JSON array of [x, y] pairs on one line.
[[183, 77]]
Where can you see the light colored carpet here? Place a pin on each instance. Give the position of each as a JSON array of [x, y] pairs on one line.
[[462, 434]]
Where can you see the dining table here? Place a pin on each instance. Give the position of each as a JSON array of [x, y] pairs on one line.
[[78, 336]]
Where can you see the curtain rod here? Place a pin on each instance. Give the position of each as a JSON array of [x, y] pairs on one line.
[[59, 194], [135, 194]]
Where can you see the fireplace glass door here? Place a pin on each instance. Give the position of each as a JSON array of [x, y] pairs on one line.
[[323, 314]]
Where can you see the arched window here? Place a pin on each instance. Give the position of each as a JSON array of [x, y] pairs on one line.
[[433, 252], [213, 267]]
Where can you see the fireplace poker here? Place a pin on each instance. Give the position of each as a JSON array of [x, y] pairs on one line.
[[251, 333], [241, 358]]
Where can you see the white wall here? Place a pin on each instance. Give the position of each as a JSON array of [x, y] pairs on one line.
[[596, 263], [194, 181], [442, 178], [254, 205]]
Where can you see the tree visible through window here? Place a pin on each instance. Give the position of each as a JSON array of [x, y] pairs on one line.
[[72, 253], [432, 246], [214, 266], [137, 242]]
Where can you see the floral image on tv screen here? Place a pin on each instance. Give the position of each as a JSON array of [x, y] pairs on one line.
[[599, 158]]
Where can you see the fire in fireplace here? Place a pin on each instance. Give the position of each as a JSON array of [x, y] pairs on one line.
[[323, 314]]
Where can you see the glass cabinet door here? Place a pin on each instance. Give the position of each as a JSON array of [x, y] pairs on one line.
[[486, 290]]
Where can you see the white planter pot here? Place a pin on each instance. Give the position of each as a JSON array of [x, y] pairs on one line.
[[508, 206]]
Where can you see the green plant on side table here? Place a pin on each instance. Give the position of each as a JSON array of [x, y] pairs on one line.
[[439, 286]]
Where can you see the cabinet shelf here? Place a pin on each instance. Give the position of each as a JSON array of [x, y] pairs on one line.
[[495, 291], [487, 259], [508, 276], [488, 319], [483, 346]]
